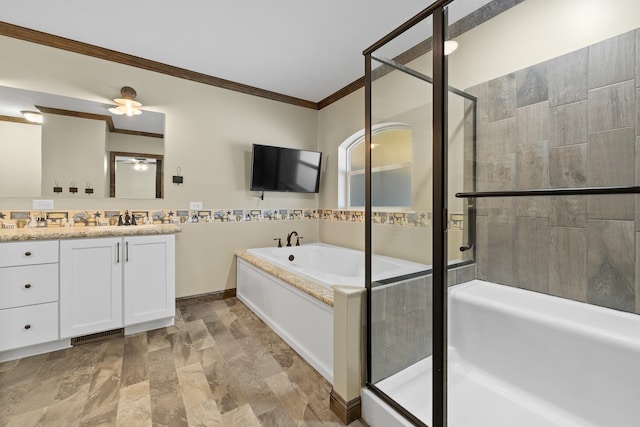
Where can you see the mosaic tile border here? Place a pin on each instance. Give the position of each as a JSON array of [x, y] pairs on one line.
[[410, 219], [32, 218], [81, 218]]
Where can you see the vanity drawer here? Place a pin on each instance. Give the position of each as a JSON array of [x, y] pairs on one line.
[[29, 325], [27, 285], [27, 253]]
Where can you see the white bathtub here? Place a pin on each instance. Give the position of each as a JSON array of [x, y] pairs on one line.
[[329, 265], [520, 358], [303, 321]]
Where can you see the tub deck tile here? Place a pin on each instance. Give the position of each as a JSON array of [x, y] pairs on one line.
[[317, 291]]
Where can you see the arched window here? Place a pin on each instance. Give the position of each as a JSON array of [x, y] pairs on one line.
[[390, 168]]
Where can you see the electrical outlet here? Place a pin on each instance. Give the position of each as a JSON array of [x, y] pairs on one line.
[[194, 206], [42, 204]]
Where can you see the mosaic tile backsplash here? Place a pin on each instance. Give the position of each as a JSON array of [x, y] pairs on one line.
[[79, 218]]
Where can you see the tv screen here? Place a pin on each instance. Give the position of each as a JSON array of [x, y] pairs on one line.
[[285, 169]]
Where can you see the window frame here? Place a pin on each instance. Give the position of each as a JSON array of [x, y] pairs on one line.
[[345, 173]]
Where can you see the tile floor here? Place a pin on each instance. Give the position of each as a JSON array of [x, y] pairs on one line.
[[218, 366]]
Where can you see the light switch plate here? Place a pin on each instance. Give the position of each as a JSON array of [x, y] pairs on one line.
[[42, 204], [194, 206]]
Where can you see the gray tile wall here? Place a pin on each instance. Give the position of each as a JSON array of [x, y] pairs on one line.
[[571, 121], [401, 326], [401, 322]]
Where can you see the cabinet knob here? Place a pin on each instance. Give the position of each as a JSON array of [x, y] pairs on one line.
[[28, 285], [27, 253], [27, 326]]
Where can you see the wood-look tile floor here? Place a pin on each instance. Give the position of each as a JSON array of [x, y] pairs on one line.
[[218, 366]]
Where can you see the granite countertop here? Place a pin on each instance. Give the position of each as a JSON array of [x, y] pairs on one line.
[[54, 233], [317, 291]]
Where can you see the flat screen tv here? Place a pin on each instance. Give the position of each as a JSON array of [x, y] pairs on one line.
[[285, 169]]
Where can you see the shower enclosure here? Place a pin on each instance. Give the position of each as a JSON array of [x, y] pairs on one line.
[[521, 171]]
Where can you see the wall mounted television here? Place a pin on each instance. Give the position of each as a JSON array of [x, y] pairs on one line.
[[285, 169]]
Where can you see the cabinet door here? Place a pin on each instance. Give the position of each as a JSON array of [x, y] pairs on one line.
[[90, 286], [149, 278]]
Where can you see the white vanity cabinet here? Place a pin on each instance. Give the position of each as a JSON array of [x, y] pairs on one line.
[[28, 293], [109, 283], [149, 278], [90, 286]]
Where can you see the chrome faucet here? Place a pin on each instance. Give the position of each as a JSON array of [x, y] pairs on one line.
[[290, 235]]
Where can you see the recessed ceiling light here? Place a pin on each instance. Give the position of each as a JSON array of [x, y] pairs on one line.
[[450, 46], [32, 116]]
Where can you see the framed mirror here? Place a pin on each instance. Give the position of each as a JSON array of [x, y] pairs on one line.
[[135, 175]]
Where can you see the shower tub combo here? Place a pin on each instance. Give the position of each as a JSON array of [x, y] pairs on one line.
[[521, 358], [516, 357]]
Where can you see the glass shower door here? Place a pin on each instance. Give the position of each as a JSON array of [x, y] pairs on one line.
[[402, 220], [401, 342]]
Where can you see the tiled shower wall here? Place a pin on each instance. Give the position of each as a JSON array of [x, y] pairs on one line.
[[567, 122], [401, 314]]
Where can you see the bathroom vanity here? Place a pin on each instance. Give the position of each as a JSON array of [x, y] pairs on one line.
[[59, 285]]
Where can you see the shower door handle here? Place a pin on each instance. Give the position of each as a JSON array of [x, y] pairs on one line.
[[471, 236]]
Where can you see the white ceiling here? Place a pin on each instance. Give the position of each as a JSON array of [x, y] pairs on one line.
[[301, 48]]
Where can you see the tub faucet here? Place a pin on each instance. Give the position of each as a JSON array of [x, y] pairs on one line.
[[290, 235]]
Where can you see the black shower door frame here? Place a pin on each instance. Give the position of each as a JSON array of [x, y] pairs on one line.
[[440, 214]]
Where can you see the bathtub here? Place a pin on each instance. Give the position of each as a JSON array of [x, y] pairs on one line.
[[521, 358], [329, 265], [295, 298]]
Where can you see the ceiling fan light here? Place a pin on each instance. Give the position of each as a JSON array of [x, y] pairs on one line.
[[116, 110], [127, 103], [123, 101], [140, 166]]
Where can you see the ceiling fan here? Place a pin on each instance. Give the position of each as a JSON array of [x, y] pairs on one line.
[[139, 163]]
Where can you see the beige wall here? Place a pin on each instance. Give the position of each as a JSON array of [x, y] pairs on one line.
[[134, 143], [19, 141], [76, 156], [535, 31], [204, 252]]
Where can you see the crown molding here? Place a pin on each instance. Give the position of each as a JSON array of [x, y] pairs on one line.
[[17, 120], [33, 36], [472, 20], [92, 116]]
